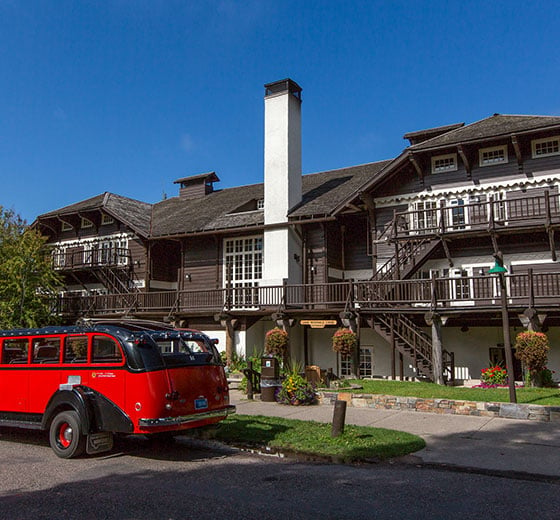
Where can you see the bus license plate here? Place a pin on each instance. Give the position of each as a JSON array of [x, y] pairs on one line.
[[200, 403]]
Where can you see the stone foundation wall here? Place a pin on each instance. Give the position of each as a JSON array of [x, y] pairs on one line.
[[528, 412]]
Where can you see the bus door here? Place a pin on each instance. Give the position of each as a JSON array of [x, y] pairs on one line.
[[14, 379], [44, 375], [106, 373]]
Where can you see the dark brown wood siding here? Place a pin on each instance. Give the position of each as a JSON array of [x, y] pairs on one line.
[[203, 262]]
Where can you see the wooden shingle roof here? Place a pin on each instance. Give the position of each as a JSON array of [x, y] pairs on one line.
[[321, 193], [491, 127], [134, 213]]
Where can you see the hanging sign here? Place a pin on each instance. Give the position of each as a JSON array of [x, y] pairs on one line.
[[318, 324]]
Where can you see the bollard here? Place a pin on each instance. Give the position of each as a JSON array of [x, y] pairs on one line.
[[339, 416]]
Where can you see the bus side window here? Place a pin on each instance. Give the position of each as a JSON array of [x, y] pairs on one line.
[[15, 350], [46, 350], [75, 349], [105, 350]]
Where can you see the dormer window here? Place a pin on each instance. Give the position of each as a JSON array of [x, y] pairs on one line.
[[444, 163], [493, 155], [260, 204], [86, 223], [106, 219], [65, 226], [545, 147]]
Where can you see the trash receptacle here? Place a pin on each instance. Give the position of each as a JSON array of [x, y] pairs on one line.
[[270, 378]]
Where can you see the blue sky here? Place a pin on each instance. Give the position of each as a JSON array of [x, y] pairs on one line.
[[128, 95]]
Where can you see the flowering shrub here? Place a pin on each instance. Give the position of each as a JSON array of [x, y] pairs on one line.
[[344, 341], [494, 376], [296, 390], [531, 348], [276, 342]]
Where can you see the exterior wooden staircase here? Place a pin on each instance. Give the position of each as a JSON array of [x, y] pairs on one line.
[[410, 340]]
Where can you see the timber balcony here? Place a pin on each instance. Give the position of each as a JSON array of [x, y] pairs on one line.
[[87, 259], [463, 295], [472, 214]]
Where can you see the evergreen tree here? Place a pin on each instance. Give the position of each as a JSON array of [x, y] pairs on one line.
[[28, 280]]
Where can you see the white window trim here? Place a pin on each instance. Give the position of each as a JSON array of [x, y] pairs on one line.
[[450, 168], [482, 151], [86, 223], [66, 226], [534, 143], [106, 219]]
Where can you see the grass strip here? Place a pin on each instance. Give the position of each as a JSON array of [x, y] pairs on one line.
[[357, 443], [542, 396]]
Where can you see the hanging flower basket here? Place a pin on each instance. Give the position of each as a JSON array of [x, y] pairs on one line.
[[276, 342], [344, 341]]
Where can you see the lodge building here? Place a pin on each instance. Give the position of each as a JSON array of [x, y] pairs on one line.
[[399, 250]]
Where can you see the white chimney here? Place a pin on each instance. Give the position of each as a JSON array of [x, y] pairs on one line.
[[282, 180]]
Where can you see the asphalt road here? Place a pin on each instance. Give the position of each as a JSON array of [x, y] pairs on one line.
[[142, 480]]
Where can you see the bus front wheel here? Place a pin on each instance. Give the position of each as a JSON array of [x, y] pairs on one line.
[[65, 436]]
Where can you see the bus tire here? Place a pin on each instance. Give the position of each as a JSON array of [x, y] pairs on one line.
[[65, 436]]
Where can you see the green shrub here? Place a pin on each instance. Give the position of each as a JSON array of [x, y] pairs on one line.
[[532, 350]]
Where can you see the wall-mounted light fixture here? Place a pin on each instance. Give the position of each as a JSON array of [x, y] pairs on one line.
[[188, 277]]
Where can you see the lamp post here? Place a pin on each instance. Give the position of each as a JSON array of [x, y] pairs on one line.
[[500, 270]]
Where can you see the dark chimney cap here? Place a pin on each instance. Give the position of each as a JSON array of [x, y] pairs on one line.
[[281, 87]]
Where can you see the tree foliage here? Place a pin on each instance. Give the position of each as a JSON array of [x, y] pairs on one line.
[[27, 276]]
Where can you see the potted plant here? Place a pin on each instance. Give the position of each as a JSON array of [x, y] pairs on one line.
[[276, 342], [344, 341]]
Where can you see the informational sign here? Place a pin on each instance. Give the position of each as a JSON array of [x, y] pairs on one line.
[[318, 324]]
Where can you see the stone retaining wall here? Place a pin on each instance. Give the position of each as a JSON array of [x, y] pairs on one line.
[[530, 412]]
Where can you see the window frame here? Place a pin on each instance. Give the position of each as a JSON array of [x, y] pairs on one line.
[[65, 226], [86, 223], [536, 142], [452, 168], [106, 219], [490, 149]]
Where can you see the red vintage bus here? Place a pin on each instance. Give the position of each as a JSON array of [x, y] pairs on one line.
[[84, 383]]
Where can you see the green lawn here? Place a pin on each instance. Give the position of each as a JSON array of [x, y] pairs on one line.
[[313, 438], [544, 396]]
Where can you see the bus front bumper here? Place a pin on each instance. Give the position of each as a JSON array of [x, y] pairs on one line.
[[186, 419]]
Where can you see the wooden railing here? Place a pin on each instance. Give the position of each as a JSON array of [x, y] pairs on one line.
[[82, 258], [527, 289], [464, 216]]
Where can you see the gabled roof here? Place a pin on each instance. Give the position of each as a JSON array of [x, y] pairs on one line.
[[494, 126], [134, 213], [321, 193]]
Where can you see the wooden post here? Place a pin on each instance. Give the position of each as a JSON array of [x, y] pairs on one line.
[[339, 417], [249, 377], [437, 350], [393, 350], [507, 340]]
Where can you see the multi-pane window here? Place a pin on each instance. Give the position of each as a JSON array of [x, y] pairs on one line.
[[86, 223], [546, 146], [106, 219], [444, 163], [366, 363], [425, 215], [243, 269], [65, 226], [494, 155]]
